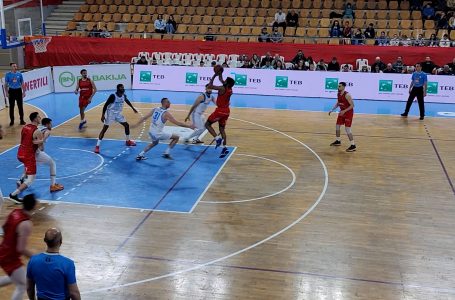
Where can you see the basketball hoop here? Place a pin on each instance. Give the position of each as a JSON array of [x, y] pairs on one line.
[[39, 42]]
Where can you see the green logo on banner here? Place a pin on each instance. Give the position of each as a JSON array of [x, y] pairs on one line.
[[281, 82], [145, 76], [385, 85], [240, 79], [432, 87], [191, 78], [67, 79], [331, 83]]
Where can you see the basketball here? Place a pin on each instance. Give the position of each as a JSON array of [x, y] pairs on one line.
[[218, 69]]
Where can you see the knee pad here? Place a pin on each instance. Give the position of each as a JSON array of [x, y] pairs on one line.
[[29, 180]]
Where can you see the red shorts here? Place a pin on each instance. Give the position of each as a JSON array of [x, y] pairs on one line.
[[84, 101], [220, 115], [345, 119], [10, 264], [29, 164]]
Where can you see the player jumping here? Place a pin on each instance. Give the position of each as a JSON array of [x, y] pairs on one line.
[[345, 116], [196, 114], [87, 90]]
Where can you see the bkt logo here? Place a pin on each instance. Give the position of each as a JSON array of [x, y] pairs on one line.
[[331, 83], [432, 87], [281, 82], [191, 78], [385, 86]]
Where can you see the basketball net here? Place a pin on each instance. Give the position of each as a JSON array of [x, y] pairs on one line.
[[39, 43]]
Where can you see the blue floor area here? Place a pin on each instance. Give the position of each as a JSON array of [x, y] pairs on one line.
[[115, 178], [64, 106]]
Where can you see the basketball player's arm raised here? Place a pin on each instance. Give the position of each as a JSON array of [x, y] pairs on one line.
[[170, 118], [351, 105], [195, 104], [24, 229], [130, 105], [220, 89], [109, 100]]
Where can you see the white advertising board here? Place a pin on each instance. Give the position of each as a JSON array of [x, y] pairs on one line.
[[293, 83], [37, 83]]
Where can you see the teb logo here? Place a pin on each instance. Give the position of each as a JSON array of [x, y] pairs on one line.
[[191, 78], [432, 87], [281, 82], [145, 76], [385, 85], [67, 79], [331, 83], [240, 79]]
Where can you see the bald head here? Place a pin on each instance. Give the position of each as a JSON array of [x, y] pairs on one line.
[[53, 238]]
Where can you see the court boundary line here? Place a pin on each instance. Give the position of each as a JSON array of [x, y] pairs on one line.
[[270, 237]]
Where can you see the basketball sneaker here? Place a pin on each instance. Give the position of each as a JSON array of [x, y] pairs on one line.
[[130, 143], [15, 199], [56, 188], [224, 152], [167, 156], [141, 157], [404, 115], [351, 148], [336, 143], [198, 141], [81, 124], [218, 142], [97, 149]]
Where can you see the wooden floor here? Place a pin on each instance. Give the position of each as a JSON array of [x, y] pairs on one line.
[[378, 225]]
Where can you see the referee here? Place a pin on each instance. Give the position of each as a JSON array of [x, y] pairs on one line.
[[417, 89], [15, 92]]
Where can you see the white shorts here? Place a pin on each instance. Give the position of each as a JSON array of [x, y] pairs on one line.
[[159, 136], [111, 117], [198, 120]]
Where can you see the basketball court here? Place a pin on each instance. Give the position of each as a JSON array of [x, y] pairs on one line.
[[284, 216]]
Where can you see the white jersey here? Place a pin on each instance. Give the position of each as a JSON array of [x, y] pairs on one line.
[[117, 106], [157, 123], [202, 107], [43, 130]]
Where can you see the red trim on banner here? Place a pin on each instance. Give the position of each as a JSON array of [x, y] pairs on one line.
[[79, 51]]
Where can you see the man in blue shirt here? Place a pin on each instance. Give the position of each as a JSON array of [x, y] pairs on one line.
[[53, 274], [418, 88], [15, 91]]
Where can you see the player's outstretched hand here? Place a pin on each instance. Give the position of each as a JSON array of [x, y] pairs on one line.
[[187, 119], [135, 110], [330, 112], [76, 91]]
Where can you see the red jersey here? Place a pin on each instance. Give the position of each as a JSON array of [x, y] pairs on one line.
[[343, 103], [86, 87], [27, 148], [223, 101], [8, 247]]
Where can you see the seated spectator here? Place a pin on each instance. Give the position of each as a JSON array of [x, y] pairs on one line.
[[160, 25], [442, 22], [358, 38], [104, 33], [389, 69], [300, 66], [292, 19], [398, 65], [276, 37], [201, 64], [370, 33], [245, 64], [333, 65], [142, 61], [268, 65], [406, 41], [415, 5], [364, 69], [171, 25], [419, 41], [378, 62], [452, 65], [298, 57], [255, 62], [446, 71], [445, 41], [209, 37], [428, 66], [395, 40], [312, 67], [335, 30], [94, 33], [264, 36], [433, 41], [266, 58], [280, 21], [428, 12], [309, 61], [279, 65], [451, 23], [225, 65], [321, 66], [347, 30], [376, 69], [345, 68], [382, 40], [348, 12], [410, 69]]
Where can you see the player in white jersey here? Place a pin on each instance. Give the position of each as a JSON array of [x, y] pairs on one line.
[[112, 111], [196, 114], [43, 158], [159, 116]]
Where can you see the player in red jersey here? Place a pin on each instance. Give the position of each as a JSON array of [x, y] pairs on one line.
[[31, 138], [87, 89], [345, 116], [221, 113], [17, 229]]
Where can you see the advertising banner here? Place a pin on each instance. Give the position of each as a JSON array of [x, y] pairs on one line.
[[105, 76], [37, 82], [370, 86]]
